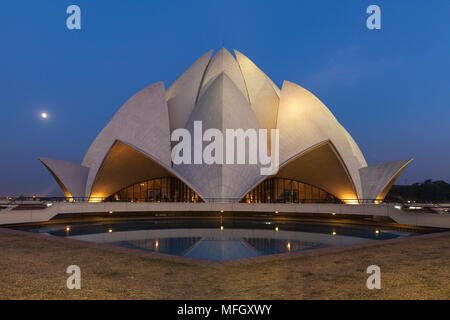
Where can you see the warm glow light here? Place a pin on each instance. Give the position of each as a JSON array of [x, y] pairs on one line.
[[289, 246], [276, 228], [221, 211], [110, 211], [110, 230], [157, 244], [333, 213], [44, 115], [377, 231], [334, 233], [96, 198], [67, 229], [276, 211], [221, 227]]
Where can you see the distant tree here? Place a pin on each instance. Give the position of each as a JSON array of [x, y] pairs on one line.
[[427, 191]]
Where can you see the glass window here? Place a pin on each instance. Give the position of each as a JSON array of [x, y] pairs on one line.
[[287, 191], [160, 189]]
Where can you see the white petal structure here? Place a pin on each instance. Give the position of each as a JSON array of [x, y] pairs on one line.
[[223, 93], [222, 106], [223, 62], [321, 165], [182, 94], [70, 177], [143, 121], [132, 164], [263, 97], [304, 121], [377, 179]]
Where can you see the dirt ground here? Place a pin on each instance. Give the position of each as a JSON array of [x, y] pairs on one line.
[[34, 268]]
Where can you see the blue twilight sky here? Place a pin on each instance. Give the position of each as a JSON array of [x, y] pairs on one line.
[[389, 88]]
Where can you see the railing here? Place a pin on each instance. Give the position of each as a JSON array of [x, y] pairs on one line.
[[36, 199]]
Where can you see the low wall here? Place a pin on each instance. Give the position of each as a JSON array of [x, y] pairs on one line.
[[386, 210]]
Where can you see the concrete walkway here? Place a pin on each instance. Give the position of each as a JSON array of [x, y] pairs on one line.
[[386, 210]]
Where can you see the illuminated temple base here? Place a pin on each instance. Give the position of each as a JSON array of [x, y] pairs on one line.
[[274, 190]]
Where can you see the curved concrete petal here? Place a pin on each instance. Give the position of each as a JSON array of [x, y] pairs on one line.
[[376, 180], [70, 177], [222, 107], [320, 166], [323, 167], [275, 87], [142, 121], [354, 147], [263, 98], [304, 121], [182, 94], [223, 62], [124, 166]]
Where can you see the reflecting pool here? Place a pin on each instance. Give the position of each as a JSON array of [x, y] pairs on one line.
[[217, 240]]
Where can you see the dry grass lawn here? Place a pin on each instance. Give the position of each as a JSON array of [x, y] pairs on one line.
[[34, 268]]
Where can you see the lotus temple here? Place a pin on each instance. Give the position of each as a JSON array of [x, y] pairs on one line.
[[130, 160], [129, 175]]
